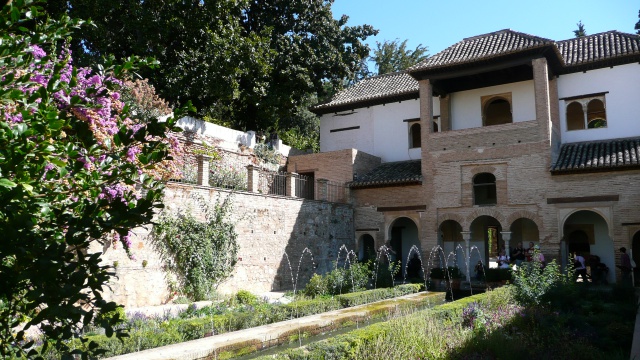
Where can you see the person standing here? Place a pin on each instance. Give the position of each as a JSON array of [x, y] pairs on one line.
[[529, 252], [580, 267], [625, 266], [518, 254]]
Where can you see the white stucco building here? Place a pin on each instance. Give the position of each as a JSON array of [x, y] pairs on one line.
[[501, 138]]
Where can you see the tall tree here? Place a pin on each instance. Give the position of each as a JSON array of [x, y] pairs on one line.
[[637, 27], [77, 167], [252, 62], [391, 56], [580, 32]]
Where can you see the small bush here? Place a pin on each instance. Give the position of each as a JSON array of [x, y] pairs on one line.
[[118, 315], [385, 273], [533, 281], [317, 286], [244, 297]]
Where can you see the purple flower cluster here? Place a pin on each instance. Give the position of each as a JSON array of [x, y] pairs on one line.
[[115, 192]]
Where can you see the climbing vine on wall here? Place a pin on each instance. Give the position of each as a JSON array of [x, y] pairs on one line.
[[201, 254]]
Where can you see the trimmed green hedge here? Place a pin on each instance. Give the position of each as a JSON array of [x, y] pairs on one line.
[[345, 346], [369, 296], [151, 334]]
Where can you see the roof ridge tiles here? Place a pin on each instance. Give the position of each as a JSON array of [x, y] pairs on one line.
[[596, 35], [592, 51]]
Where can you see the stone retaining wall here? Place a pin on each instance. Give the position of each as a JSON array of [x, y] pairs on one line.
[[268, 227]]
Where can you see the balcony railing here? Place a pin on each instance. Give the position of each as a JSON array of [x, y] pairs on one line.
[[199, 170]]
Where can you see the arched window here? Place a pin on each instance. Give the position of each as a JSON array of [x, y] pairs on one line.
[[596, 115], [575, 116], [484, 189], [496, 109], [586, 112], [414, 135]]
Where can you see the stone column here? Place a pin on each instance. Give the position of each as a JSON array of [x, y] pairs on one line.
[[322, 189], [426, 111], [203, 170], [252, 178], [466, 236], [290, 189], [506, 237]]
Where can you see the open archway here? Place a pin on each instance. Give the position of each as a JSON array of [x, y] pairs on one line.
[[486, 237], [403, 235], [366, 248], [524, 231], [450, 239], [587, 232]]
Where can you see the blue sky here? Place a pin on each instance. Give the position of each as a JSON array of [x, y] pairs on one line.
[[439, 24]]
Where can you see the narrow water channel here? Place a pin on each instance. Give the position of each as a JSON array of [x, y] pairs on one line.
[[305, 339]]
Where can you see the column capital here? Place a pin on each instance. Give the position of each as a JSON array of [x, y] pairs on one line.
[[506, 235]]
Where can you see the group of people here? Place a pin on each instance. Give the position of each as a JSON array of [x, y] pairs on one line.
[[519, 254]]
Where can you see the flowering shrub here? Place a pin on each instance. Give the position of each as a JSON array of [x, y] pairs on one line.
[[227, 175], [200, 253], [76, 167]]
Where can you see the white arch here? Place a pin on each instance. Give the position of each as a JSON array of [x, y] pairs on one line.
[[388, 224], [604, 212]]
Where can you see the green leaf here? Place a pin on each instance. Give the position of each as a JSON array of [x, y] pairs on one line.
[[7, 183]]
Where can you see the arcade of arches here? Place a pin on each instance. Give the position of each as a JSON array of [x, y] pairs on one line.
[[584, 231]]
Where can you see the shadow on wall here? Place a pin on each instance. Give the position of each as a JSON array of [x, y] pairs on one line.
[[317, 241]]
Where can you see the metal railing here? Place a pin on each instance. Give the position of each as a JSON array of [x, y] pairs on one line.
[[305, 187], [272, 183], [189, 170], [261, 181]]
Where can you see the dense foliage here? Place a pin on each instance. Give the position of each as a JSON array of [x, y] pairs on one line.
[[76, 168], [534, 282], [201, 254], [254, 64], [391, 56]]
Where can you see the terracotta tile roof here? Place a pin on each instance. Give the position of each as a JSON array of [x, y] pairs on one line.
[[592, 156], [373, 88], [482, 47], [390, 174], [598, 47], [573, 54]]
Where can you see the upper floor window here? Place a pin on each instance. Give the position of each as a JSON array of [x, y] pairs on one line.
[[588, 112], [414, 135], [496, 109], [484, 189]]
